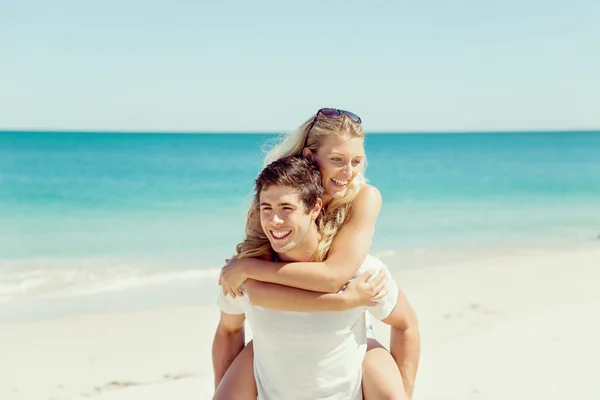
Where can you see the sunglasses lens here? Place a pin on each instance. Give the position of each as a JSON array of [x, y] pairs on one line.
[[335, 113], [353, 117], [330, 112]]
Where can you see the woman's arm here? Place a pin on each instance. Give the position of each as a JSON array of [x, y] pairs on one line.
[[362, 291], [348, 250]]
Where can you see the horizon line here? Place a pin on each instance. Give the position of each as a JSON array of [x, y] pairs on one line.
[[255, 132]]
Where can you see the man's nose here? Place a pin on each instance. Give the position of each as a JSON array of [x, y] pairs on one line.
[[277, 219]]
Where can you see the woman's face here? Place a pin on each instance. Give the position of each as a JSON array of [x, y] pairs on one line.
[[339, 159]]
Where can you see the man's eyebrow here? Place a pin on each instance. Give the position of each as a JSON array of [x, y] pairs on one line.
[[263, 203], [286, 204]]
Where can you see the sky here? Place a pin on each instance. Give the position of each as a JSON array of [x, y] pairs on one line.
[[266, 66]]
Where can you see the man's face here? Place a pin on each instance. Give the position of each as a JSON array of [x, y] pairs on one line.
[[285, 221]]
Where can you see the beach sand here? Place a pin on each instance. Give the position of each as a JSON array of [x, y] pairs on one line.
[[522, 326]]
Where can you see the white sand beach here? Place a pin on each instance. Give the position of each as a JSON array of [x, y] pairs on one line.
[[514, 327]]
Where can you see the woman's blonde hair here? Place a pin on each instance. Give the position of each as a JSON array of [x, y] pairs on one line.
[[311, 134]]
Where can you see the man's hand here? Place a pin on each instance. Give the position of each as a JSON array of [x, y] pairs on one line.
[[232, 278], [365, 290]]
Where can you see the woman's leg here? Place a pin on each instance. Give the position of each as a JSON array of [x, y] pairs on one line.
[[381, 377], [238, 382]]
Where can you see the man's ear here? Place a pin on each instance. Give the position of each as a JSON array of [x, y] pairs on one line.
[[314, 213], [307, 153]]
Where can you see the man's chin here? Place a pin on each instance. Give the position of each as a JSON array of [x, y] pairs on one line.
[[281, 248]]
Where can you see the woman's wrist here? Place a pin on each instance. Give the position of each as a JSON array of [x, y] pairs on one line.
[[245, 268], [348, 300]]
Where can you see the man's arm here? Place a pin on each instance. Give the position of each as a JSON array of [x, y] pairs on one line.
[[405, 342], [229, 341]]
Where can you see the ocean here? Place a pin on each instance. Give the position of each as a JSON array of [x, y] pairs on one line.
[[131, 219]]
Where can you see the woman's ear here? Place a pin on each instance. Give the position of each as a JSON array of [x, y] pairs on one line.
[[307, 153]]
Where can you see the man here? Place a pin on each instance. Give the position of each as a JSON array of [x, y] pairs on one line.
[[306, 355]]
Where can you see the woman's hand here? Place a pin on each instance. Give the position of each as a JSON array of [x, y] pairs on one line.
[[232, 278], [365, 290]]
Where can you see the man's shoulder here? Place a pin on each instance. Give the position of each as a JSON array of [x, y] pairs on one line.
[[370, 262], [229, 305]]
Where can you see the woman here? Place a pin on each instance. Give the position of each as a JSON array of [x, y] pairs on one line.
[[334, 140]]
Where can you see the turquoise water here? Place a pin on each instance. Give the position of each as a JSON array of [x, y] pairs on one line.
[[84, 213]]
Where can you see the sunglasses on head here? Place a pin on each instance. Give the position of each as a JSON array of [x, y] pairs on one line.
[[335, 113]]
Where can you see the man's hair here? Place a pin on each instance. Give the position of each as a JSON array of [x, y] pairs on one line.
[[296, 172]]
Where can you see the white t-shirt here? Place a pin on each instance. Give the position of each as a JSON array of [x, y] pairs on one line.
[[311, 355]]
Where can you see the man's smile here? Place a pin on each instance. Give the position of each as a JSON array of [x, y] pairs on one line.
[[279, 234]]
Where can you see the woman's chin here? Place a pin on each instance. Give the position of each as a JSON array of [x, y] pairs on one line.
[[337, 193]]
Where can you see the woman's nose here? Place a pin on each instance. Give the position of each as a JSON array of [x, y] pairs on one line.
[[347, 169]]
